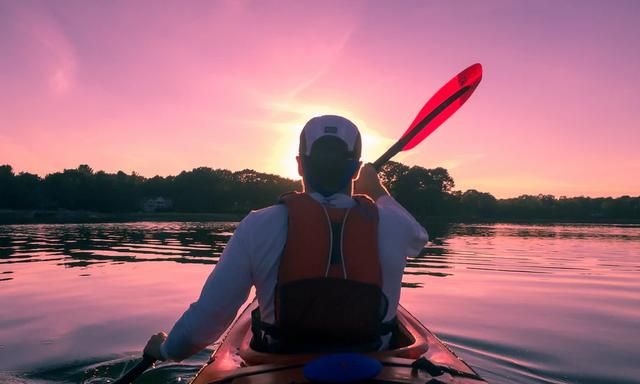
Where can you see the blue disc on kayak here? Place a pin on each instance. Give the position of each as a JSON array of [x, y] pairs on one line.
[[342, 368]]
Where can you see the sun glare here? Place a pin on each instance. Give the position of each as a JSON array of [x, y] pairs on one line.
[[285, 149], [289, 165]]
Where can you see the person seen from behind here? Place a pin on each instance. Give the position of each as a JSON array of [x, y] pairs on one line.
[[326, 264]]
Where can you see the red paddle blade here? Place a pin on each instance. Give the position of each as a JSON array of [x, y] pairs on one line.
[[447, 100]]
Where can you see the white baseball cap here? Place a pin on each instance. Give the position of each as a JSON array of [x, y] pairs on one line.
[[330, 125]]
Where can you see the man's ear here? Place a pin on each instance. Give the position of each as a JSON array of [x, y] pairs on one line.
[[300, 170], [357, 172]]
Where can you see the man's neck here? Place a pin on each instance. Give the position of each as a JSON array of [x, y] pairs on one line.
[[307, 189]]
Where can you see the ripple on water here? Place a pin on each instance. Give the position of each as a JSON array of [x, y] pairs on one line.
[[520, 303]]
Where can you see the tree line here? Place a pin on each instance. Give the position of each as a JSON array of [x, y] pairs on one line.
[[430, 192], [424, 192]]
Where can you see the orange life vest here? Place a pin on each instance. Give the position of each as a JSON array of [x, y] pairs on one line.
[[329, 290]]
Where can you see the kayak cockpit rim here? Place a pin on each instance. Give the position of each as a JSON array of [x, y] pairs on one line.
[[413, 349]]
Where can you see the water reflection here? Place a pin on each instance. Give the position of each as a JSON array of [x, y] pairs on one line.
[[88, 244], [521, 303], [83, 245]]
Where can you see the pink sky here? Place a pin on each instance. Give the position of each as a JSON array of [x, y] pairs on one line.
[[158, 88]]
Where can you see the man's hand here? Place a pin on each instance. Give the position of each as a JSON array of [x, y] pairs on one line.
[[368, 183], [153, 346]]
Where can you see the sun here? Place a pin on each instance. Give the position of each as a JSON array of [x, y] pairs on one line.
[[285, 149], [289, 164], [373, 145]]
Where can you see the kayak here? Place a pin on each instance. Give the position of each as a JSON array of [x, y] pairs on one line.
[[416, 356]]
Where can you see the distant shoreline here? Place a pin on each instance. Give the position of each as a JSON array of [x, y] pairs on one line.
[[84, 196], [9, 217], [16, 217]]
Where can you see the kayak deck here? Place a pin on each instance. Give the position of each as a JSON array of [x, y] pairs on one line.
[[416, 355]]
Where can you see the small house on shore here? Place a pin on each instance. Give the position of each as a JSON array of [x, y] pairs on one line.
[[155, 204]]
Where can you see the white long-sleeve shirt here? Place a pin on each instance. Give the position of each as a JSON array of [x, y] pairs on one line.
[[252, 258]]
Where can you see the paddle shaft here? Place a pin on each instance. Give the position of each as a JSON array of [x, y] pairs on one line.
[[147, 361], [404, 140]]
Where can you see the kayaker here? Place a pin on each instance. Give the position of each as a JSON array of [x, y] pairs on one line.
[[327, 266]]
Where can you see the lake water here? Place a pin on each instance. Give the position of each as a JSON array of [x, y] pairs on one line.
[[520, 303]]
